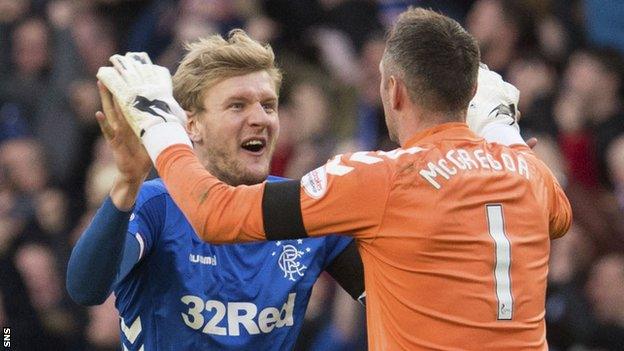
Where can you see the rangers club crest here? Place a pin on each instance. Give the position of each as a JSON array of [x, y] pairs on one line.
[[289, 259]]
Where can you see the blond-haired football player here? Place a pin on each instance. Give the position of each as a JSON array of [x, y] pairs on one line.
[[174, 291]]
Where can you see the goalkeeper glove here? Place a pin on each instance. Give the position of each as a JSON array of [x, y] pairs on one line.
[[494, 105], [145, 94]]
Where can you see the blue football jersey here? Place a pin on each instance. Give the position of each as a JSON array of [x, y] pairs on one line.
[[186, 294]]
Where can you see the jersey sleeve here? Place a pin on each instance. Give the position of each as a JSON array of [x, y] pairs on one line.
[[89, 281], [147, 220], [559, 209], [347, 195]]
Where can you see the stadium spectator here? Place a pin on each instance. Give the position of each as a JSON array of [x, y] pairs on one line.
[[100, 179], [24, 163], [503, 28], [536, 79], [604, 289], [22, 87], [589, 113], [36, 264], [102, 331], [10, 12], [566, 306], [371, 132], [309, 109]]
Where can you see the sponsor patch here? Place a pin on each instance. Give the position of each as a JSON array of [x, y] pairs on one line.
[[315, 183]]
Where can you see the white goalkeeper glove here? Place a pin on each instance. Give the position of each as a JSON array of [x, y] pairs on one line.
[[493, 111], [145, 94]]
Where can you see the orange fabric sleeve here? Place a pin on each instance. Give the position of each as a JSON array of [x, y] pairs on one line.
[[219, 213], [347, 195], [559, 209]]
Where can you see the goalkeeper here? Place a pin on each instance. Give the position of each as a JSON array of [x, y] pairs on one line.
[[174, 291]]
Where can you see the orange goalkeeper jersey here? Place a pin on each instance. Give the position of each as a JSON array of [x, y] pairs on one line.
[[454, 233]]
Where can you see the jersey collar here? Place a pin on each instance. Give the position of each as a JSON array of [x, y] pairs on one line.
[[445, 130]]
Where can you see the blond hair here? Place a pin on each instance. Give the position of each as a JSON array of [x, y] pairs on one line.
[[213, 59]]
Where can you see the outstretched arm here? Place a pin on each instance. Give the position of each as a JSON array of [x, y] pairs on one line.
[[335, 198], [105, 253]]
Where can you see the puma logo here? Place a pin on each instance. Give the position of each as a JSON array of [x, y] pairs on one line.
[[146, 105]]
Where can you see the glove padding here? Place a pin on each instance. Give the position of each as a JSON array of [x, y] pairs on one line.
[[495, 102], [143, 90]]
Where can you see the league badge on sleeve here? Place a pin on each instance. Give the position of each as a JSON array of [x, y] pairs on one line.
[[315, 183]]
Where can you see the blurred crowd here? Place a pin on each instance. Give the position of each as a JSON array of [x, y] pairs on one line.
[[566, 57]]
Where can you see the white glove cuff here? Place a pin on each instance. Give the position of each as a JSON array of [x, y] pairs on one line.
[[162, 135], [502, 134]]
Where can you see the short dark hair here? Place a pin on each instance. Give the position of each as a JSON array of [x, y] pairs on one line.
[[437, 59]]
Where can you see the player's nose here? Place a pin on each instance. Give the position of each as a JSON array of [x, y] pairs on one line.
[[258, 116]]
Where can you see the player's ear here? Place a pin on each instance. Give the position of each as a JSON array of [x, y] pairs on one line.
[[395, 91], [193, 127]]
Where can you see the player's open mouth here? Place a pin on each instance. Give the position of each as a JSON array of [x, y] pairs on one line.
[[254, 145]]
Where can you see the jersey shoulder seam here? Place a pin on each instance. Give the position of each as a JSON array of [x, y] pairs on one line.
[[149, 190], [382, 217]]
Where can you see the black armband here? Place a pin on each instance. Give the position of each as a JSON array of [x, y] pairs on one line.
[[281, 210], [348, 271]]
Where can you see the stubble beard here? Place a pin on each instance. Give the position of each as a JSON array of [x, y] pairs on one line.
[[230, 170]]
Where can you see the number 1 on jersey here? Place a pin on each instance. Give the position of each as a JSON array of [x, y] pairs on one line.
[[502, 268]]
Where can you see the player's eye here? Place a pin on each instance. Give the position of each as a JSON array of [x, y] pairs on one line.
[[236, 106], [269, 107]]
